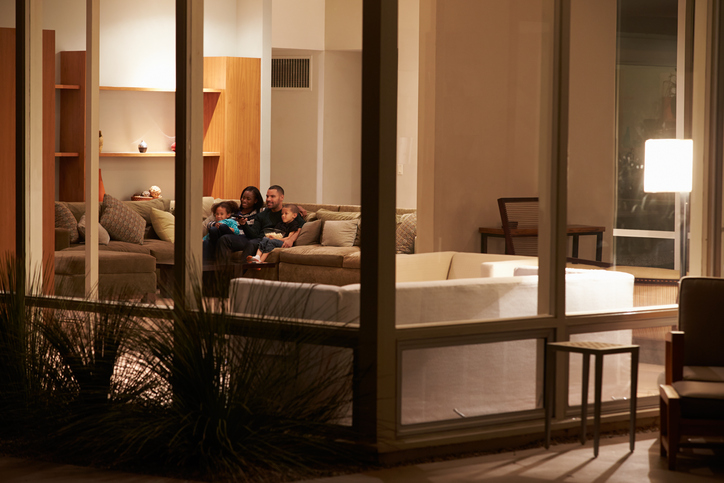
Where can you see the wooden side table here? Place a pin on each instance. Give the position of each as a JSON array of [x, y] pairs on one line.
[[598, 349]]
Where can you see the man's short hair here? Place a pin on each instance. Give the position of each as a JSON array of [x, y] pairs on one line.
[[278, 188], [294, 208]]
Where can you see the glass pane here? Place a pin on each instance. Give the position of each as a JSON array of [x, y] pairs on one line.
[[484, 111], [471, 380], [613, 224]]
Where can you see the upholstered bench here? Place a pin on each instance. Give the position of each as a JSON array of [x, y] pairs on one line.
[[120, 274]]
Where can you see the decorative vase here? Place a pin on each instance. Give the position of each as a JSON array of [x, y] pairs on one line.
[[100, 141], [142, 146]]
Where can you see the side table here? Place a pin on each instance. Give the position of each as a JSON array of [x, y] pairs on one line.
[[586, 349]]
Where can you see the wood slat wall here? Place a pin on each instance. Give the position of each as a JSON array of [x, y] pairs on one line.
[[233, 126]]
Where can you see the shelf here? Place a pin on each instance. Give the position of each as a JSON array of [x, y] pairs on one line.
[[66, 155], [149, 89], [67, 86], [160, 154]]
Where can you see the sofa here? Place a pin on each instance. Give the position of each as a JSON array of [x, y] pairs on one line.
[[134, 267], [465, 377], [315, 261]]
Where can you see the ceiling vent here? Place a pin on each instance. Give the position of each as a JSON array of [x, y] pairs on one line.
[[290, 73]]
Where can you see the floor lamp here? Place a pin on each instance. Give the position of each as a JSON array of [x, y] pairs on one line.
[[668, 165]]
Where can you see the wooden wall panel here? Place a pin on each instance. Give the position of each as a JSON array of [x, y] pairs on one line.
[[243, 125], [7, 141], [214, 108], [234, 125], [72, 126]]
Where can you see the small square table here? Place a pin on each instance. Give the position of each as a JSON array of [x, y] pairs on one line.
[[598, 349]]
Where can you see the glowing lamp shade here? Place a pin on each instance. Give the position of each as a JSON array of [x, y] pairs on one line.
[[668, 165]]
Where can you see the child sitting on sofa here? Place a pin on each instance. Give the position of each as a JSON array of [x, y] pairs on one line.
[[224, 224], [284, 234]]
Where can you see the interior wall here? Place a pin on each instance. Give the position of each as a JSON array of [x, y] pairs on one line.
[[483, 109], [592, 122], [298, 25], [407, 102], [342, 127], [343, 25], [294, 130], [484, 106], [249, 28]]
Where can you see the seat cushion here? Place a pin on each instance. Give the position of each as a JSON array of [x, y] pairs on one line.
[[162, 250], [700, 399], [70, 262], [316, 255]]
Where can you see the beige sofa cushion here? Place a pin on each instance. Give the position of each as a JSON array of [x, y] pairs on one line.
[[316, 255], [339, 233], [422, 267]]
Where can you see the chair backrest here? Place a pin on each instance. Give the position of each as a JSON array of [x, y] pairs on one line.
[[518, 213], [701, 317]]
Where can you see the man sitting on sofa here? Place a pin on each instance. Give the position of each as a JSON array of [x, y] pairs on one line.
[[249, 241]]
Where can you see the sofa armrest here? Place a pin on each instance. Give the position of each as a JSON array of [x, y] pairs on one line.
[[62, 238]]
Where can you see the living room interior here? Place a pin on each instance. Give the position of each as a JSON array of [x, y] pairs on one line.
[[474, 108]]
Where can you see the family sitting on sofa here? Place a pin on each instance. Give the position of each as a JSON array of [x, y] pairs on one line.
[[254, 221]]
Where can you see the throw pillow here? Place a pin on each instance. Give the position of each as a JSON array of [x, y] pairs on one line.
[[122, 223], [310, 233], [357, 239], [144, 208], [103, 237], [164, 224], [65, 219], [406, 232], [325, 215], [339, 233]]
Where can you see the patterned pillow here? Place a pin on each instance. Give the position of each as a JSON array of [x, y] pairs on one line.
[[103, 237], [406, 232], [65, 219], [121, 222]]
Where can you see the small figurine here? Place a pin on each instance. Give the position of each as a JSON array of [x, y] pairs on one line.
[[155, 192], [173, 147], [100, 141], [142, 146]]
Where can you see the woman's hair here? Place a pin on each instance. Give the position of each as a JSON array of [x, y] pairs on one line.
[[230, 206], [257, 196]]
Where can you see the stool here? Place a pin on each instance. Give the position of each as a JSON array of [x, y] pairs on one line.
[[599, 349]]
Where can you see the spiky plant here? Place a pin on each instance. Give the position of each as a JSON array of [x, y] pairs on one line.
[[196, 395]]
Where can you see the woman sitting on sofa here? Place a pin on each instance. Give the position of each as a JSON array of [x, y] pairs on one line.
[[250, 206]]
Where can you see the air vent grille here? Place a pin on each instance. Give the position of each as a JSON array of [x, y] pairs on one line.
[[290, 73]]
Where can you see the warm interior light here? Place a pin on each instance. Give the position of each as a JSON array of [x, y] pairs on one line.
[[668, 165]]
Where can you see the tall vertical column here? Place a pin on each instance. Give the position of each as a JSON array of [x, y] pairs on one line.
[[189, 148], [92, 161], [375, 368]]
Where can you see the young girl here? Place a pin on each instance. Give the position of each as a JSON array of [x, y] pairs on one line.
[[224, 224], [287, 229]]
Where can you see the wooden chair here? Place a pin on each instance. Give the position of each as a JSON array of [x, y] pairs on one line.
[[692, 400], [519, 217], [520, 225]]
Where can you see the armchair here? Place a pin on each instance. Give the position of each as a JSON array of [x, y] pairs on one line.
[[692, 400]]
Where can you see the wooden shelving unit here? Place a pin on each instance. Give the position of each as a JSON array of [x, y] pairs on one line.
[[162, 154], [71, 181], [232, 125]]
